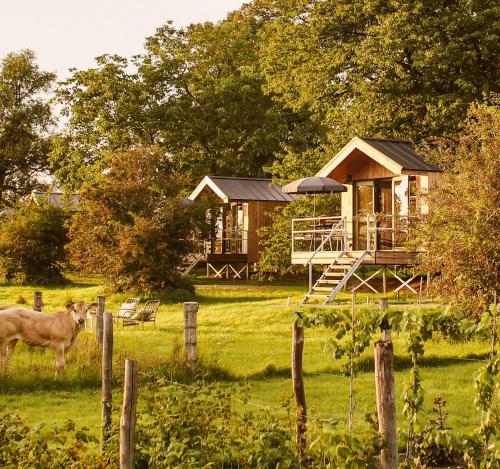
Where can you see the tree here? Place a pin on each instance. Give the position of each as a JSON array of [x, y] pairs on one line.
[[132, 228], [197, 93], [385, 69], [460, 235], [276, 239], [32, 242], [25, 118]]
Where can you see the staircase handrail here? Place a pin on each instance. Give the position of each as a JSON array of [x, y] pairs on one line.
[[328, 237]]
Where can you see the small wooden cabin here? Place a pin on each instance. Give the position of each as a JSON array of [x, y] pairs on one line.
[[243, 206], [386, 182]]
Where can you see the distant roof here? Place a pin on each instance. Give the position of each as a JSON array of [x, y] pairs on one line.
[[395, 155], [402, 152], [55, 199], [237, 188]]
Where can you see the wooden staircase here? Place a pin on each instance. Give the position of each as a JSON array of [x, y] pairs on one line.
[[191, 261], [334, 278]]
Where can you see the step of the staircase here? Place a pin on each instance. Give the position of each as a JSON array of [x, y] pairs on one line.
[[322, 289], [316, 296], [329, 282], [334, 274]]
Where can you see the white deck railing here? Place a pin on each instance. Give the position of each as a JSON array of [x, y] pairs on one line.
[[229, 243], [319, 234]]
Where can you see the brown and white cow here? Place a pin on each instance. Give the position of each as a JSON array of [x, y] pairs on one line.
[[57, 331]]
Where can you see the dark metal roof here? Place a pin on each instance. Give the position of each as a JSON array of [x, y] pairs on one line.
[[237, 188], [402, 152]]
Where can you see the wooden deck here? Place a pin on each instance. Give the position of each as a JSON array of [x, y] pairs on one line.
[[227, 258], [374, 257]]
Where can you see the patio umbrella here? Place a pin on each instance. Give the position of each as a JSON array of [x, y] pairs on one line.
[[314, 185]]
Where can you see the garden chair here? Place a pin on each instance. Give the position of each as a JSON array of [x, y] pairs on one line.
[[146, 314], [127, 310]]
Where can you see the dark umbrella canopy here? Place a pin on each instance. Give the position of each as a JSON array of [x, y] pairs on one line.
[[314, 185]]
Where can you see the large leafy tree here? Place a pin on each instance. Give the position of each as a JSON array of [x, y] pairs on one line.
[[460, 235], [197, 93], [25, 118], [131, 227], [406, 69]]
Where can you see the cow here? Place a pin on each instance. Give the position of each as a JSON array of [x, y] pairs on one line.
[[57, 331]]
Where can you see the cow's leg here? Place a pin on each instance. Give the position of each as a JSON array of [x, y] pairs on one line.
[[3, 357], [10, 348], [59, 351]]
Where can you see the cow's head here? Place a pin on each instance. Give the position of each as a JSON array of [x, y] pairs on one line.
[[78, 311]]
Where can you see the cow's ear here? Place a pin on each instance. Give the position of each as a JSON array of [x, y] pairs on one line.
[[69, 306]]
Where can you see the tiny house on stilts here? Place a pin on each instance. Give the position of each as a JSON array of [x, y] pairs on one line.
[[385, 181], [242, 207]]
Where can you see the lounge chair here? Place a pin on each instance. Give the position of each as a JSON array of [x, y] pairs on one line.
[[127, 310], [146, 314]]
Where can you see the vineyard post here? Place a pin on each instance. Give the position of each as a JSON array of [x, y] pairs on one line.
[[107, 377], [298, 386], [99, 319], [351, 364], [386, 403], [127, 419], [37, 301], [190, 310]]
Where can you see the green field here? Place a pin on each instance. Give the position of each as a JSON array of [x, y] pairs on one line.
[[244, 331]]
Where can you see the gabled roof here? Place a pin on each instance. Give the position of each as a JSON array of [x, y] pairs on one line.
[[55, 199], [396, 155], [236, 188]]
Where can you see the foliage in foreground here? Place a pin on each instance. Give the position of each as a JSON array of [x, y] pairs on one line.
[[460, 235], [32, 244]]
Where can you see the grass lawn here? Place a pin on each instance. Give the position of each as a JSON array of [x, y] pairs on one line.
[[245, 330]]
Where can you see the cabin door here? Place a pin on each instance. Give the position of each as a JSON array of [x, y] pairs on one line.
[[364, 208], [383, 207], [373, 232]]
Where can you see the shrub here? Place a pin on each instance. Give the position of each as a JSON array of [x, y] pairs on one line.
[[460, 235], [132, 228], [32, 245]]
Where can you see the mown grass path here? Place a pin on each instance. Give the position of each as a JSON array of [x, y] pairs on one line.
[[244, 331]]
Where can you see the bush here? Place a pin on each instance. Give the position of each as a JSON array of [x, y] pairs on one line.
[[460, 235], [32, 244], [132, 228]]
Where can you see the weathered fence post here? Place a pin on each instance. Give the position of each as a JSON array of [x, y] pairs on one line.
[[384, 304], [127, 420], [99, 319], [298, 386], [386, 403], [190, 310], [420, 291], [37, 301], [107, 378]]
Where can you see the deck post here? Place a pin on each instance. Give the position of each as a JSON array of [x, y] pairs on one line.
[[384, 283], [310, 275]]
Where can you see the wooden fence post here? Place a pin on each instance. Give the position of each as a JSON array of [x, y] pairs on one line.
[[37, 301], [127, 420], [386, 403], [99, 319], [190, 310], [298, 386], [107, 378]]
